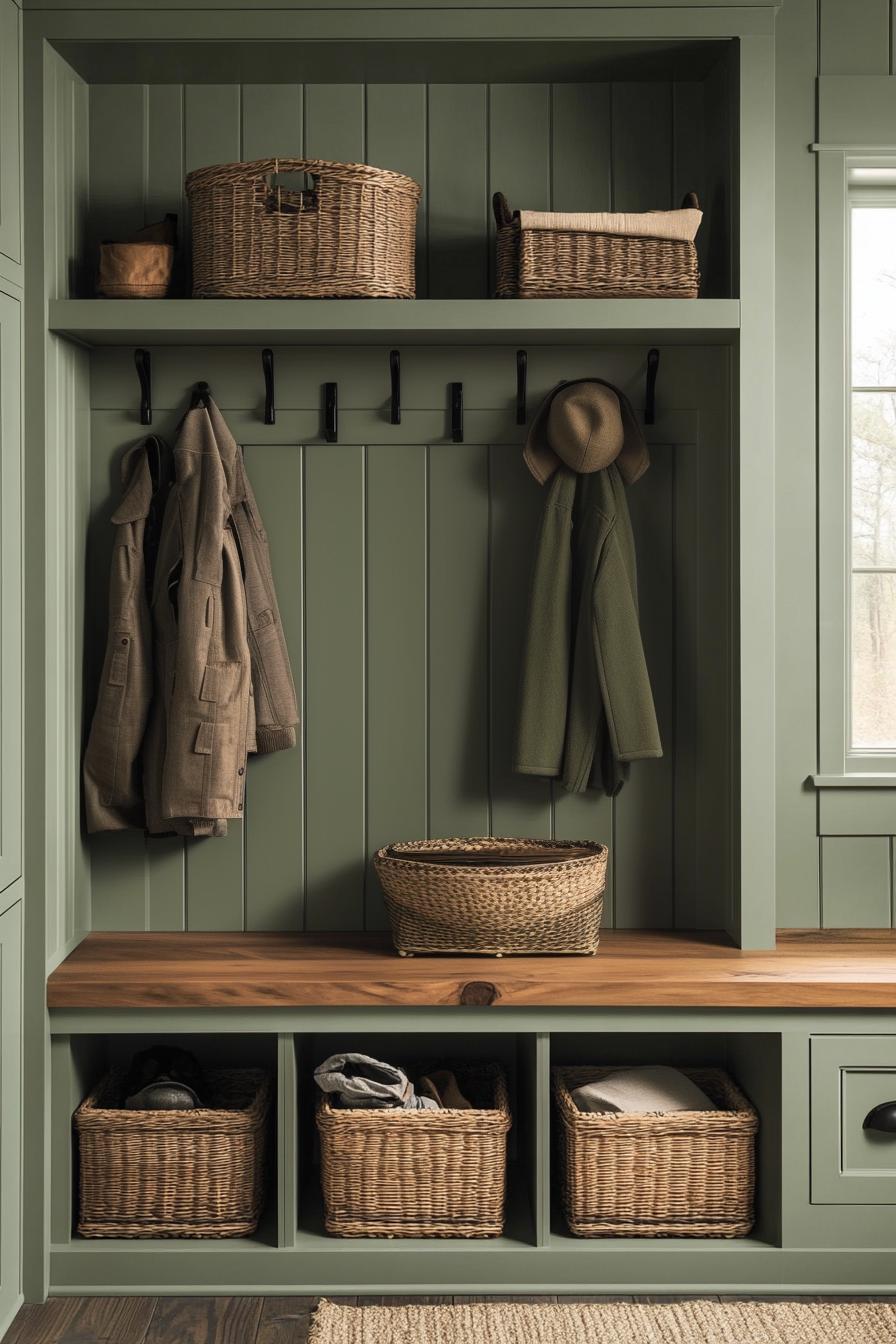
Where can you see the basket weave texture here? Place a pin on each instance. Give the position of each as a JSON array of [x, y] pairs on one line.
[[577, 264], [193, 1173], [682, 1174], [548, 907], [351, 236], [397, 1173]]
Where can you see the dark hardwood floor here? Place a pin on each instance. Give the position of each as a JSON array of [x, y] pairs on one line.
[[217, 1320]]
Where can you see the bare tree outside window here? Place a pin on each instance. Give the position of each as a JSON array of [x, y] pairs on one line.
[[873, 478]]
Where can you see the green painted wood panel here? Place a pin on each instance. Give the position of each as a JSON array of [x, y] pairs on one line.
[[117, 165], [10, 131], [334, 122], [854, 37], [519, 149], [856, 882], [335, 635], [10, 1110], [397, 135], [581, 164], [642, 146], [857, 812], [397, 782], [11, 588], [458, 190], [275, 785]]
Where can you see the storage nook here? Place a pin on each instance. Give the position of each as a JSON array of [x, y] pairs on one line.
[[383, 440]]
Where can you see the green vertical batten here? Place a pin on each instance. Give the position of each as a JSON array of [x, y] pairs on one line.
[[642, 146], [334, 122], [395, 118], [397, 628], [458, 515], [11, 134], [457, 189], [11, 1193], [275, 784], [334, 533], [286, 1169], [581, 167], [519, 150]]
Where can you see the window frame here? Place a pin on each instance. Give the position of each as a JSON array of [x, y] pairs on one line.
[[836, 198]]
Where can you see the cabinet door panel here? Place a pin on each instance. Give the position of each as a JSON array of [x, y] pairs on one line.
[[10, 132], [851, 1075], [10, 590]]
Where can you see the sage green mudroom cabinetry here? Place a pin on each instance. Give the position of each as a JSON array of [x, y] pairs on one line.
[[401, 557]]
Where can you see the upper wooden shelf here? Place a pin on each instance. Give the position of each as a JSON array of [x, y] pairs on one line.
[[632, 969], [381, 321]]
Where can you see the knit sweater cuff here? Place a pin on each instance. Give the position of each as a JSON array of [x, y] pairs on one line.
[[271, 738]]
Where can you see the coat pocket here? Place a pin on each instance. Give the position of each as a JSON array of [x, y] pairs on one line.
[[220, 739]]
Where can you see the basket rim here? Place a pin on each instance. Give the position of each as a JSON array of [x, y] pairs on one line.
[[745, 1113], [222, 173], [472, 843], [475, 1116], [90, 1112]]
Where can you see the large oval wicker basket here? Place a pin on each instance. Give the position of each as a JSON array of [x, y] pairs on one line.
[[539, 906], [350, 235]]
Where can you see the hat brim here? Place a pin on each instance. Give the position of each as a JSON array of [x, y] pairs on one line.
[[633, 458]]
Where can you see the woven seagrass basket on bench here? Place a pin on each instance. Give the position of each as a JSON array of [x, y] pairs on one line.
[[351, 235], [193, 1173], [557, 256], [552, 903], [397, 1173], [679, 1174]]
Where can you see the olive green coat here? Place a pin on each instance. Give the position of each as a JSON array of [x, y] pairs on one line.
[[586, 705]]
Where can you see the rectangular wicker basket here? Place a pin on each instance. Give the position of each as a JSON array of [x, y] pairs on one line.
[[576, 263], [680, 1174], [193, 1173], [397, 1173]]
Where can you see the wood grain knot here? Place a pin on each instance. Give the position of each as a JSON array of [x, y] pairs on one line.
[[478, 994]]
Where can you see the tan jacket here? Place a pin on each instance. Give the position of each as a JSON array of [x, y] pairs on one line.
[[222, 676], [113, 788]]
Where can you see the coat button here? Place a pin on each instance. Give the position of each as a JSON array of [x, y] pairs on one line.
[[124, 641], [241, 771], [239, 807]]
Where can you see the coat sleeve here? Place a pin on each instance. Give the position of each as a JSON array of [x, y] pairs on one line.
[[545, 679], [619, 656]]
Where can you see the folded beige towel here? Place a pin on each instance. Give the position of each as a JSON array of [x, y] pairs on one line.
[[679, 224], [655, 1088]]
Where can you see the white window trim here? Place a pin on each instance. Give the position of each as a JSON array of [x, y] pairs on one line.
[[835, 197]]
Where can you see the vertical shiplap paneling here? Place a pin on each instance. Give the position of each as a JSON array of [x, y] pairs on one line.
[[334, 686], [396, 139], [521, 804], [690, 857], [165, 868], [214, 867], [644, 815], [717, 249], [272, 126], [458, 640], [854, 37], [519, 150], [396, 783], [855, 882], [642, 146], [458, 191], [334, 122], [165, 161], [117, 162], [275, 786], [688, 156], [581, 149]]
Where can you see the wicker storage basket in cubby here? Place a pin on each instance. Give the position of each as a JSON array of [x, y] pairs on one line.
[[536, 906], [556, 256], [351, 235], [193, 1173], [397, 1173], [679, 1174]]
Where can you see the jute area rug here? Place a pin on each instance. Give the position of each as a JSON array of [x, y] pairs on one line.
[[692, 1322]]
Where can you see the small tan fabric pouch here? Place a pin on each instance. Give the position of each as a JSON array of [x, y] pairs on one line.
[[139, 267]]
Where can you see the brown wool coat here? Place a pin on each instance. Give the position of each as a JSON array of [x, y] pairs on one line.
[[222, 675], [113, 789]]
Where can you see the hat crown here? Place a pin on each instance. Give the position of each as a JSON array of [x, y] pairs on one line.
[[585, 426]]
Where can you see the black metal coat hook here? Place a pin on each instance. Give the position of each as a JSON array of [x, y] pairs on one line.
[[200, 397], [395, 379], [457, 412], [521, 371], [143, 362], [331, 413], [267, 364], [653, 364]]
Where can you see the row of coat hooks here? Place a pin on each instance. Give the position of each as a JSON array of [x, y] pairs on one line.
[[143, 363]]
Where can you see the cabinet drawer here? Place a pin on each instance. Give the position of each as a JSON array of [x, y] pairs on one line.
[[851, 1075]]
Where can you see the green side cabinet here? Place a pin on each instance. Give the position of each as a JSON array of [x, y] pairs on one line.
[[10, 589], [10, 1113], [853, 1082]]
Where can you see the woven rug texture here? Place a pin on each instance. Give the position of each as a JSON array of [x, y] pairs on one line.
[[695, 1322]]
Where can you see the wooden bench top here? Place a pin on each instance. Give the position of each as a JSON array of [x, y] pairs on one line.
[[636, 969]]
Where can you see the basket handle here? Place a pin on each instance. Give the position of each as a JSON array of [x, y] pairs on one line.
[[503, 213], [275, 193], [690, 201]]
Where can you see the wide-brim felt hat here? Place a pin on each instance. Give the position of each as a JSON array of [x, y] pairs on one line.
[[586, 424]]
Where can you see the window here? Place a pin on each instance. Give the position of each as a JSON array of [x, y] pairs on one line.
[[872, 473]]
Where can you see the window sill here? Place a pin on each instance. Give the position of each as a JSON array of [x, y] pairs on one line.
[[880, 780]]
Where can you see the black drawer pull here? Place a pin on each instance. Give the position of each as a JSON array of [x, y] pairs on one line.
[[882, 1118]]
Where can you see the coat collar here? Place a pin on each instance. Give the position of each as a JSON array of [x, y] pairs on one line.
[[143, 468]]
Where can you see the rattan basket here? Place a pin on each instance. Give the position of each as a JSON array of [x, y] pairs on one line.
[[558, 263], [545, 907], [174, 1173], [396, 1173], [682, 1174], [350, 236]]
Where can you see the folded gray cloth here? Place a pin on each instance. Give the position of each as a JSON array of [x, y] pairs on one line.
[[362, 1083], [653, 1088]]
